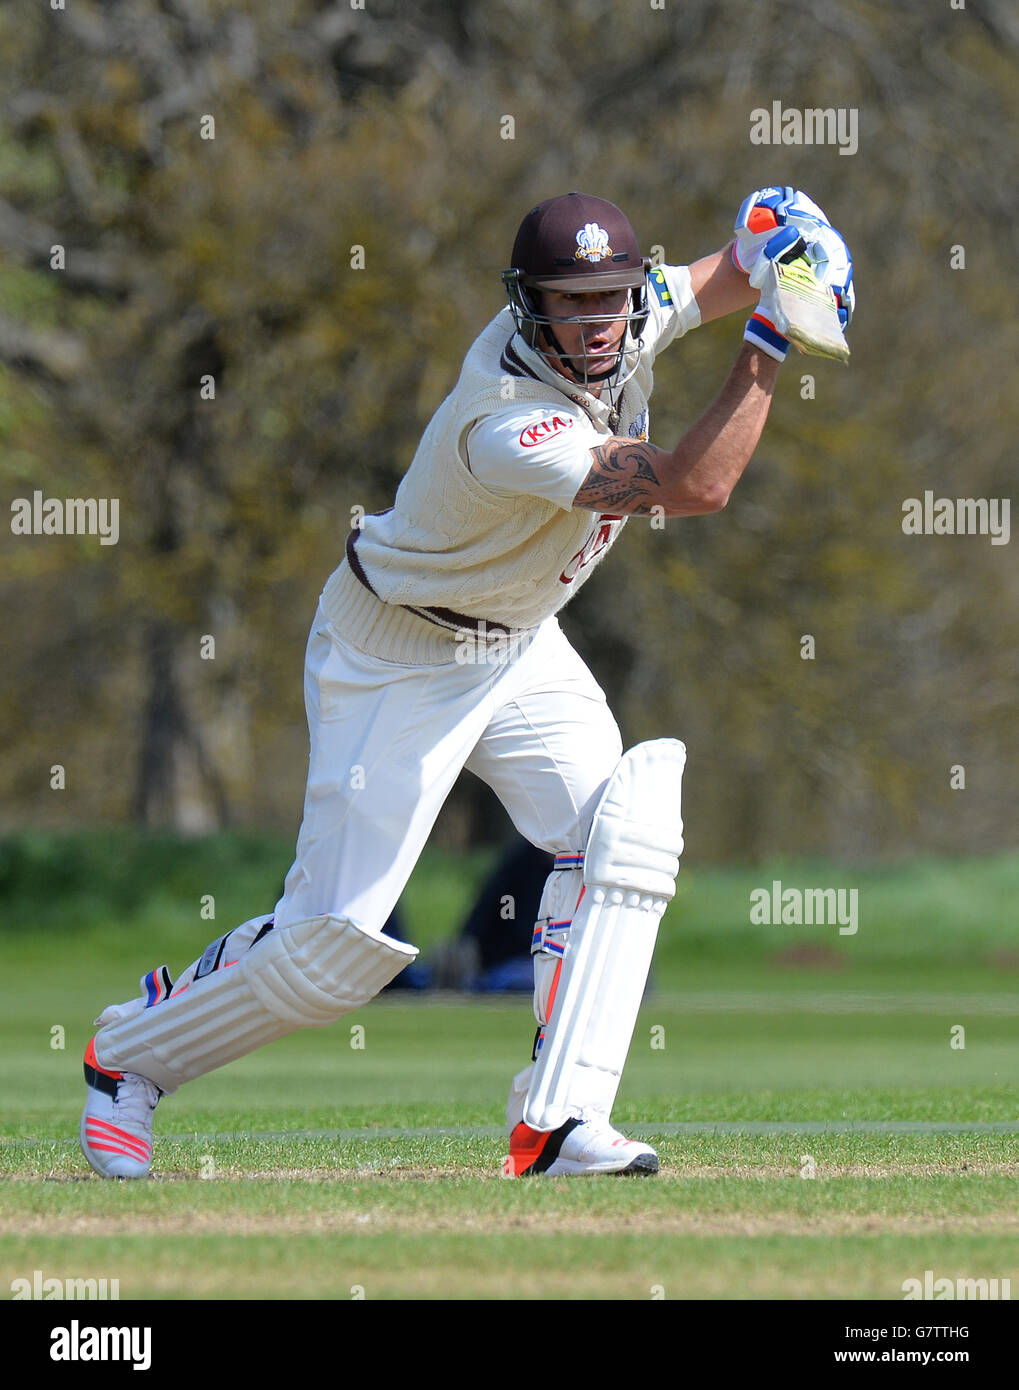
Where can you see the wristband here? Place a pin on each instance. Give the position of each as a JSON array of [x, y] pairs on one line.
[[761, 332]]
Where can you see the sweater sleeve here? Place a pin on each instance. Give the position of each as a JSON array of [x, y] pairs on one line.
[[672, 307], [540, 451]]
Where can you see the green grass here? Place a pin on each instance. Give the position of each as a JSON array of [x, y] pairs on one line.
[[328, 1168], [931, 917], [317, 1169]]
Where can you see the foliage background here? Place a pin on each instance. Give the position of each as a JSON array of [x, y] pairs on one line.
[[381, 128]]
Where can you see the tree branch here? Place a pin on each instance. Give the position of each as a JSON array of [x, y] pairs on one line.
[[58, 355], [31, 241]]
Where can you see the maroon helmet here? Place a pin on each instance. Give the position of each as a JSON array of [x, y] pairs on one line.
[[578, 244]]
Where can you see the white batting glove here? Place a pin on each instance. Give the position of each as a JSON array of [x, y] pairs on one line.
[[760, 330], [772, 214], [774, 220], [833, 265]]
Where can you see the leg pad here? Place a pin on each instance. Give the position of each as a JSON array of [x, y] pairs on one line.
[[630, 869], [300, 976]]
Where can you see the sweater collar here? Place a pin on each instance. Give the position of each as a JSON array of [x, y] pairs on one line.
[[536, 366]]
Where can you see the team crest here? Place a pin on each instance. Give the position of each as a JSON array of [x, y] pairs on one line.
[[638, 428], [593, 243]]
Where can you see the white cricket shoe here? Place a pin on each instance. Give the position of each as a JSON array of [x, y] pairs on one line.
[[116, 1124], [576, 1148]]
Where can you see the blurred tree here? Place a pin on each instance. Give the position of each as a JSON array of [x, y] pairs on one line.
[[321, 265]]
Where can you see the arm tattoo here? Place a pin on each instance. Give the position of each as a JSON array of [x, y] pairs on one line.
[[622, 478]]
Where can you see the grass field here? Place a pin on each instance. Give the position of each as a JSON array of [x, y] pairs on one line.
[[321, 1169]]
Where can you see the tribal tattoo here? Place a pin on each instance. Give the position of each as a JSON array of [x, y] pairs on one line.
[[622, 479]]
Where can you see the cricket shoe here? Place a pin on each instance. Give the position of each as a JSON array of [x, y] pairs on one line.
[[116, 1124], [576, 1148]]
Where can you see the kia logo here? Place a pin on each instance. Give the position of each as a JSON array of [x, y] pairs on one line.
[[544, 429]]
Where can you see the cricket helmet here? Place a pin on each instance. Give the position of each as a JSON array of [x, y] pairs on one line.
[[578, 244]]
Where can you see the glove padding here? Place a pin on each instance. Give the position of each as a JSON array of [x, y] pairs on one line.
[[777, 219], [760, 329]]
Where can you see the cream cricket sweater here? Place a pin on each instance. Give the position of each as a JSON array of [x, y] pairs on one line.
[[450, 552]]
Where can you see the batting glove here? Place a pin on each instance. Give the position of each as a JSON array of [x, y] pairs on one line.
[[833, 265], [760, 330], [773, 220]]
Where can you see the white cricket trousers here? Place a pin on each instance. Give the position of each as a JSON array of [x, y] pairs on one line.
[[388, 741]]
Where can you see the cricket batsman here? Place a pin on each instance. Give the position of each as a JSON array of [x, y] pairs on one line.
[[436, 647]]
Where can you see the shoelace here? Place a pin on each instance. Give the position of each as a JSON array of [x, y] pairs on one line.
[[136, 1100]]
